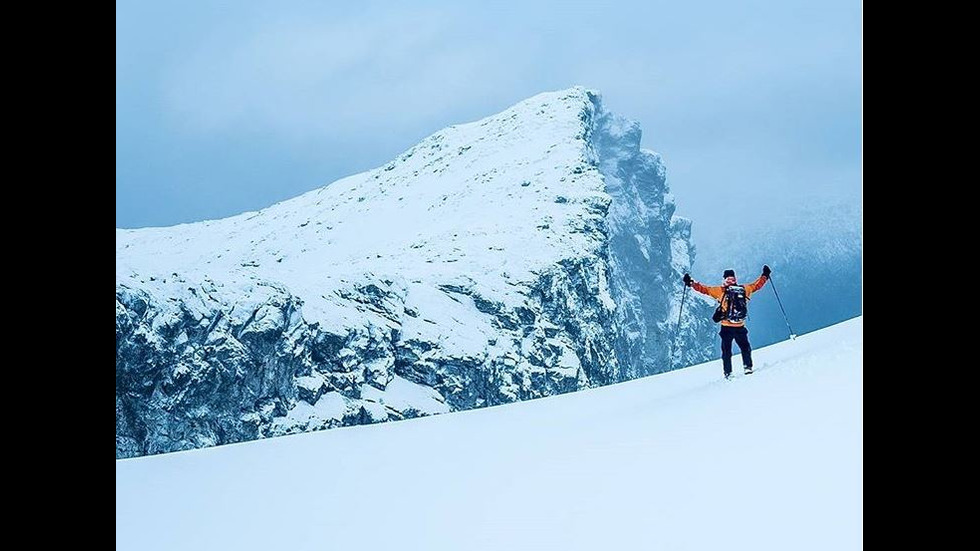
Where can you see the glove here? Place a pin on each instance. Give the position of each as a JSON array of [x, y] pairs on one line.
[[688, 280], [765, 270]]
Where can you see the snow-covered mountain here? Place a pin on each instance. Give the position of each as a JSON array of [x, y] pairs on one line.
[[682, 460], [531, 253]]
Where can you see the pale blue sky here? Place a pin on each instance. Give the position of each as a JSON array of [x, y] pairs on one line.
[[223, 107]]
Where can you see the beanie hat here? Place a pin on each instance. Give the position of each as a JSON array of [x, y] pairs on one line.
[[729, 273]]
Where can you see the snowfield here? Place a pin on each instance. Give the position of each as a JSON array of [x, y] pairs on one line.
[[681, 460]]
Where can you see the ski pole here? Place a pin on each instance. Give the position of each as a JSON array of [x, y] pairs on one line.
[[792, 335], [680, 312]]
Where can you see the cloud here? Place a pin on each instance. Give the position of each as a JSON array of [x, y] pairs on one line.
[[278, 97], [298, 78]]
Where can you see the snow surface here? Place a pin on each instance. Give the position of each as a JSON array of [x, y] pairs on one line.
[[681, 460]]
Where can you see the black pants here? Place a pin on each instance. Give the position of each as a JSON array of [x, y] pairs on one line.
[[741, 337]]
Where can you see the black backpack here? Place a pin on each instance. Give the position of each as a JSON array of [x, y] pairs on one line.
[[736, 305]]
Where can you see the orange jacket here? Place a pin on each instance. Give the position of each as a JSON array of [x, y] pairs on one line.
[[718, 293]]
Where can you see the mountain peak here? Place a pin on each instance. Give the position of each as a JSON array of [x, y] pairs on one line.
[[524, 182], [494, 261]]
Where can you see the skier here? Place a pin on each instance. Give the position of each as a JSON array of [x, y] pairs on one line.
[[732, 309]]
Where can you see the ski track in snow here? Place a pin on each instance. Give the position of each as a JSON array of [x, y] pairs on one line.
[[682, 460]]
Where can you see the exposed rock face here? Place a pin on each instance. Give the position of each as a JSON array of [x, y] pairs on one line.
[[531, 253]]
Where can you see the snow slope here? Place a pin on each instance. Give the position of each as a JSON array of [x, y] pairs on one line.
[[681, 460]]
